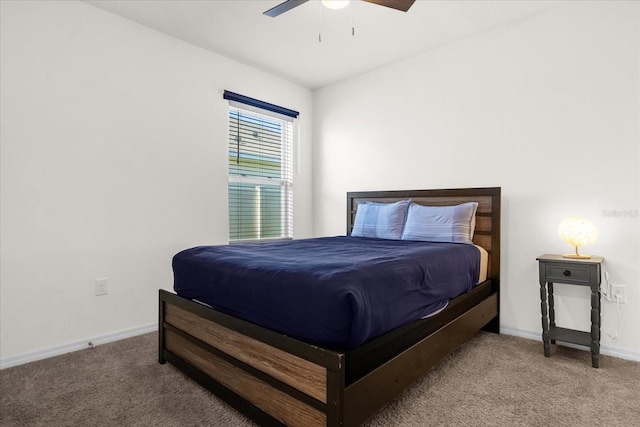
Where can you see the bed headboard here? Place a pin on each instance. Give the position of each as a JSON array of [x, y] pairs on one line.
[[487, 231]]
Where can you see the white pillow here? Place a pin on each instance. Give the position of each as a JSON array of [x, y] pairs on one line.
[[441, 223], [380, 220]]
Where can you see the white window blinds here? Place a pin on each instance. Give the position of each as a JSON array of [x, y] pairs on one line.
[[260, 172]]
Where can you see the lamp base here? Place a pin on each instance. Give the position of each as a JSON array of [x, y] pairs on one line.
[[576, 256]]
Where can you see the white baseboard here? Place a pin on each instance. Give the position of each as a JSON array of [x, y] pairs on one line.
[[606, 350], [115, 336], [75, 346]]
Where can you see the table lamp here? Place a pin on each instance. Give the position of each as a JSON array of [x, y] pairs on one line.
[[577, 231]]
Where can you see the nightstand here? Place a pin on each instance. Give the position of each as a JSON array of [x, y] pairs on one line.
[[582, 272]]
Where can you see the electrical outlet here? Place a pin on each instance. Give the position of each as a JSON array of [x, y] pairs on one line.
[[619, 293], [102, 287]]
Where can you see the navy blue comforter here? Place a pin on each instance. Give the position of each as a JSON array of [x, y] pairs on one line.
[[336, 292]]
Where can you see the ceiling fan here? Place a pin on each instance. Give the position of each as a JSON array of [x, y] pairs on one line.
[[402, 5]]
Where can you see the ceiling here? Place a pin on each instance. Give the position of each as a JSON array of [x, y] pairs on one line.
[[288, 45]]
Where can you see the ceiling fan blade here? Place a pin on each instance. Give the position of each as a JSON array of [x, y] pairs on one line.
[[402, 5], [283, 7]]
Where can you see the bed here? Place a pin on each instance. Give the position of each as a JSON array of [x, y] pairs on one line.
[[278, 378]]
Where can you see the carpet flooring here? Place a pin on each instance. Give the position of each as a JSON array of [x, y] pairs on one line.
[[492, 380]]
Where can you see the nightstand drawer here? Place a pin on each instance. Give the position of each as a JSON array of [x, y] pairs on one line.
[[568, 273]]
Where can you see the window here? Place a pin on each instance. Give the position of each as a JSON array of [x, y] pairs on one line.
[[260, 169]]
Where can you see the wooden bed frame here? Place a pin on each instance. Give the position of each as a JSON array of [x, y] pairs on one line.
[[277, 380]]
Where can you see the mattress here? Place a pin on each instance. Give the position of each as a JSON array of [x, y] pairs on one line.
[[335, 292], [484, 262]]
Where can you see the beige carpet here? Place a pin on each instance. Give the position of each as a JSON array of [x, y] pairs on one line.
[[493, 380]]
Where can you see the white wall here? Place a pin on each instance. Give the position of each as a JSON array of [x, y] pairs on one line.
[[113, 158], [546, 108]]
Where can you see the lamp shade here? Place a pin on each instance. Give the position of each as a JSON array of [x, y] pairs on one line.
[[577, 231]]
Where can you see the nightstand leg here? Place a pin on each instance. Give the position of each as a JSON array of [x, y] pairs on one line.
[[545, 318], [595, 326], [552, 310]]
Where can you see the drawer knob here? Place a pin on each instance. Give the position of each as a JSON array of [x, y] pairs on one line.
[[567, 273]]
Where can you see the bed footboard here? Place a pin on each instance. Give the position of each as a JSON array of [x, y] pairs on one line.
[[292, 382]]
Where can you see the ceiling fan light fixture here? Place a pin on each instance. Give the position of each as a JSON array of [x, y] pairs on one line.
[[335, 4], [287, 5]]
